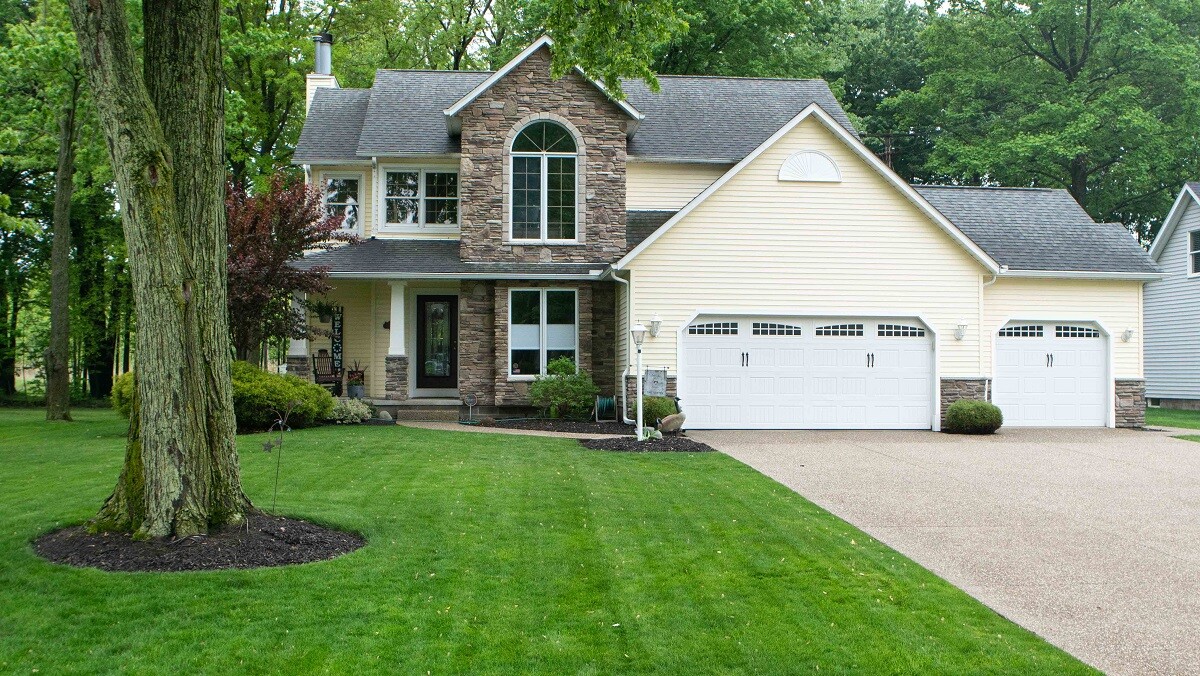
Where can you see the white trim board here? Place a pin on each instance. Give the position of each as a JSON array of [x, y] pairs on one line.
[[864, 153], [1173, 216]]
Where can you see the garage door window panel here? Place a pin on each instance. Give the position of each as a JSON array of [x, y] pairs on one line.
[[773, 329], [1062, 331], [714, 329], [841, 330], [900, 331]]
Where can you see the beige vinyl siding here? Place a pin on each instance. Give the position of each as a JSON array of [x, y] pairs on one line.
[[365, 188], [359, 340], [1173, 318], [667, 186], [1116, 305], [624, 358], [848, 248]]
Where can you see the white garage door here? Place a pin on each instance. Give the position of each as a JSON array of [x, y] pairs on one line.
[[1051, 375], [796, 373]]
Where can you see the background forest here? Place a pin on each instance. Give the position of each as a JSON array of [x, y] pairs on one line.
[[1100, 98]]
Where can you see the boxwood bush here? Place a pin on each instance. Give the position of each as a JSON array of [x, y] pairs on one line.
[[657, 408], [973, 416], [565, 391]]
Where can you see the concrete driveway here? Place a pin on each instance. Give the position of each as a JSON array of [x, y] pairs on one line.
[[1090, 538]]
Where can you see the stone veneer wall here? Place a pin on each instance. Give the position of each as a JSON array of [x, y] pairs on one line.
[[631, 395], [299, 365], [1131, 403], [604, 336], [490, 122], [477, 341], [954, 389], [395, 384]]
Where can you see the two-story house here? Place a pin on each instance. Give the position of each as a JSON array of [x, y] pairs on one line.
[[789, 278], [1173, 308]]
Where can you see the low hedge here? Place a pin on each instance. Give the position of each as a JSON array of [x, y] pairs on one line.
[[257, 397], [973, 416], [657, 408]]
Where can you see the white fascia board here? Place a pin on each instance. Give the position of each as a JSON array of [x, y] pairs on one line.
[[592, 275], [1082, 274], [544, 41], [859, 149], [1173, 216]]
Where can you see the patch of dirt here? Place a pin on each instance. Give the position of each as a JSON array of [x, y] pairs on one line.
[[263, 541], [668, 444], [560, 425]]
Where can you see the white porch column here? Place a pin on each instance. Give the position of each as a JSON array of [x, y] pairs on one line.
[[396, 335]]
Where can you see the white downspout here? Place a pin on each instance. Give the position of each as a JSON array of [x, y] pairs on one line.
[[987, 383], [628, 325]]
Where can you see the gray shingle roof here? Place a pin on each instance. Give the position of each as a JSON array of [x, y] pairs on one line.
[[704, 119], [338, 116], [418, 258], [1038, 229], [641, 224], [720, 118]]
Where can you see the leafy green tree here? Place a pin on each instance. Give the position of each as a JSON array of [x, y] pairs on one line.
[[1095, 97]]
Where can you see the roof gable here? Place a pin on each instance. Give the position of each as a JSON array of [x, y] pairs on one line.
[[1190, 194], [817, 113]]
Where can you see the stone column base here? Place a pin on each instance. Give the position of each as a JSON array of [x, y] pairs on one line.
[[395, 384], [298, 365], [1131, 403], [954, 389], [631, 394]]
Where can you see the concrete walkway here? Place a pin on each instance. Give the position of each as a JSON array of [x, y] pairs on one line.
[[456, 427], [1090, 538]]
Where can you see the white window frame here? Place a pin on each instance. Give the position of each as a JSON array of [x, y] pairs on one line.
[[542, 307], [361, 177], [420, 225], [1193, 253], [544, 165]]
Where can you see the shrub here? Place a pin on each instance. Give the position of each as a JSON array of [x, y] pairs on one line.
[[350, 412], [565, 390], [122, 394], [973, 416], [258, 396], [657, 408]]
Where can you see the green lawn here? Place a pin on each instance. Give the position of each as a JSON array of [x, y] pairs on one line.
[[1169, 417], [487, 554]]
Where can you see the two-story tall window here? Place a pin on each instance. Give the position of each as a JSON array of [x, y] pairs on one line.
[[543, 183], [420, 197], [1194, 252], [342, 199]]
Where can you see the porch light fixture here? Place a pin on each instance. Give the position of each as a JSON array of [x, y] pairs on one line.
[[639, 336], [1127, 335], [960, 331], [655, 325]]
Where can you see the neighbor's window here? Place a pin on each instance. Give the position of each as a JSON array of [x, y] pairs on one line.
[[543, 183], [421, 197], [1194, 251], [341, 199], [542, 327]]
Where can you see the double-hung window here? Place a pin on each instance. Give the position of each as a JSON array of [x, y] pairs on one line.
[[543, 184], [1194, 252], [341, 195], [542, 326], [420, 198]]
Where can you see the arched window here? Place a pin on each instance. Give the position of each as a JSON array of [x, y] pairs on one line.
[[543, 183]]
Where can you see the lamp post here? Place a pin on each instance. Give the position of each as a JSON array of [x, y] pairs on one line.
[[639, 336]]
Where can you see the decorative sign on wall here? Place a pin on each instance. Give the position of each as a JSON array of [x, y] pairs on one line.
[[654, 383], [335, 339]]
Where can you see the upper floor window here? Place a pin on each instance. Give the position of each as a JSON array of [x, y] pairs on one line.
[[543, 183], [1194, 252], [420, 197], [342, 199]]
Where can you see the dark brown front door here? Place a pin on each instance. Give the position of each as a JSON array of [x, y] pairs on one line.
[[437, 341]]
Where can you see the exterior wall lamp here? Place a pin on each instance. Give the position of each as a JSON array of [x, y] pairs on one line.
[[655, 325], [1127, 335], [960, 331]]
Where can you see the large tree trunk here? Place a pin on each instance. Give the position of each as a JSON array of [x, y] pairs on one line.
[[165, 135], [58, 382]]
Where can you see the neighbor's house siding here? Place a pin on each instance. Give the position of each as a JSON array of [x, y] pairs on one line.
[[1173, 319], [366, 190], [854, 247], [1115, 304], [667, 186]]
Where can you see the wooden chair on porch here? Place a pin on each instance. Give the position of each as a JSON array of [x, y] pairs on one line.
[[325, 375]]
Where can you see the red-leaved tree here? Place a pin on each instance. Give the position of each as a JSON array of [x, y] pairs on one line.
[[267, 231]]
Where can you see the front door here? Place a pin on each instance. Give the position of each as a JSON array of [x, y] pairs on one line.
[[437, 341]]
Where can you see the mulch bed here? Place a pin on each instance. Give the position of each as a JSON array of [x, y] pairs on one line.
[[560, 425], [263, 542], [668, 444]]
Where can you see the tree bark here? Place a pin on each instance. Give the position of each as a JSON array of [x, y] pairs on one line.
[[58, 382], [164, 128]]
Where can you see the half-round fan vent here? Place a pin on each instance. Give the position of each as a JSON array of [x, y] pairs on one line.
[[809, 165]]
